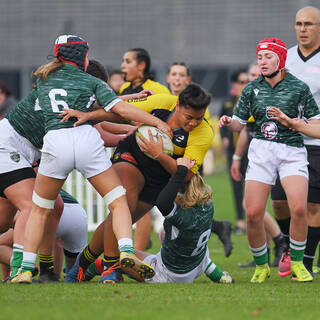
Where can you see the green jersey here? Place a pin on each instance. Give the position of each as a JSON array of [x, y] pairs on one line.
[[70, 87], [187, 232], [27, 119], [67, 197], [290, 95]]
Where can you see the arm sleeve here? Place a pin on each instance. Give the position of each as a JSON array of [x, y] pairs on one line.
[[165, 200]]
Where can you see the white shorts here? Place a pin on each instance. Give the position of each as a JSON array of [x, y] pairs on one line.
[[163, 275], [73, 228], [78, 148], [16, 152], [267, 158]]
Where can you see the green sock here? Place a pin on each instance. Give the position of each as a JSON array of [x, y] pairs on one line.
[[260, 255], [297, 249], [126, 245], [16, 259], [213, 272], [91, 272]]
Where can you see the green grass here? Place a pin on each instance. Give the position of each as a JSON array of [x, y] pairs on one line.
[[277, 298]]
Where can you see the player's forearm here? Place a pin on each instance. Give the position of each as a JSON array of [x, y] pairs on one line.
[[168, 163], [242, 143], [133, 113], [311, 129], [235, 125], [102, 115]]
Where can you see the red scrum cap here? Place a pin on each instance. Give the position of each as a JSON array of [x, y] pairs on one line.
[[275, 46]]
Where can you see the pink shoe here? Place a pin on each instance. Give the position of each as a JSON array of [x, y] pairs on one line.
[[284, 268]]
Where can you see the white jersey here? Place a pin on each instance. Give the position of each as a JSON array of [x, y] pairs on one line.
[[307, 70]]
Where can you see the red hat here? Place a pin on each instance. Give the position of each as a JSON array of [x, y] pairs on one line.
[[72, 49], [277, 47]]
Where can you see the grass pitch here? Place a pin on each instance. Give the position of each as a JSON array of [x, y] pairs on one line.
[[277, 298]]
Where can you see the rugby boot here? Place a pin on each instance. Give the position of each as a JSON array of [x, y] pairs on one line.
[[129, 260], [261, 273]]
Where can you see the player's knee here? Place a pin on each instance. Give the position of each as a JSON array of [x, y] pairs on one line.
[[313, 209], [299, 211], [113, 197]]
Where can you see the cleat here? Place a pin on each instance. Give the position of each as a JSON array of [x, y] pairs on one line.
[[22, 277], [278, 251], [225, 237], [111, 275], [261, 273], [239, 231], [300, 272], [35, 271], [94, 269], [226, 278], [129, 260], [316, 270], [284, 268], [76, 273], [251, 264], [48, 277]]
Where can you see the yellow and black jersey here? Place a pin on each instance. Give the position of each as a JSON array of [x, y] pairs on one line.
[[193, 145], [156, 87]]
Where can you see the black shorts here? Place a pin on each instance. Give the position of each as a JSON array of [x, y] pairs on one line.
[[9, 178], [277, 192], [156, 177]]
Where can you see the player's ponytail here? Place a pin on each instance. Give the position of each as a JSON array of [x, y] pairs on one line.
[[43, 71], [197, 192]]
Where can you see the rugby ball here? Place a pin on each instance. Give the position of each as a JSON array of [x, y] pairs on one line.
[[143, 130]]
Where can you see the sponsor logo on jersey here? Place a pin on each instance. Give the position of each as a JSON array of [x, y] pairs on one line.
[[256, 91], [267, 112], [14, 156], [269, 130]]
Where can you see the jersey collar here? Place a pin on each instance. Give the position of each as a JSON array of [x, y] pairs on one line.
[[305, 59]]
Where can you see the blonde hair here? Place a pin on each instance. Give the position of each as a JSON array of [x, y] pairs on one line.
[[197, 193], [43, 71]]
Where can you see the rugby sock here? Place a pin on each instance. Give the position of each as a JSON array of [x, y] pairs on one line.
[[16, 259], [46, 263], [87, 256], [213, 272], [108, 262], [311, 247], [284, 225], [92, 271], [260, 255], [28, 262], [297, 249], [126, 245]]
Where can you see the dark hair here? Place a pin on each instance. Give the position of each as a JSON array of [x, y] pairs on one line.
[[115, 71], [5, 89], [235, 75], [142, 55], [180, 64], [195, 97], [96, 69]]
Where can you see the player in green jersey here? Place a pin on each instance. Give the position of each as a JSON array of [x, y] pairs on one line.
[[61, 84], [184, 254], [275, 149]]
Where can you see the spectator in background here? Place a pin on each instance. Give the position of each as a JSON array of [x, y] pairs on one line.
[[7, 100], [116, 80], [239, 80]]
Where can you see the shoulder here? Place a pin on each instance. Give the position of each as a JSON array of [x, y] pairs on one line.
[[163, 101], [123, 87], [155, 86]]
